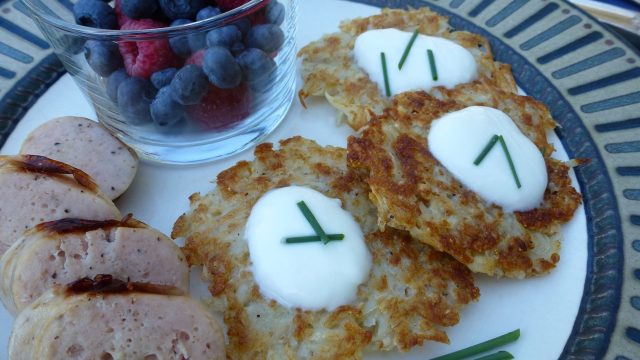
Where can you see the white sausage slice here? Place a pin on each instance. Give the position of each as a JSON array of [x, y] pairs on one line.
[[90, 147], [127, 321], [35, 189], [62, 251]]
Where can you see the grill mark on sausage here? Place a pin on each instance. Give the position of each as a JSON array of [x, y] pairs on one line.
[[105, 284], [76, 225], [44, 165]]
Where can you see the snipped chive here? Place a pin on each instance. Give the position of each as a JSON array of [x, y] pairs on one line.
[[387, 88], [407, 49], [432, 65], [513, 168], [481, 347], [312, 238], [500, 355], [486, 150], [312, 221]]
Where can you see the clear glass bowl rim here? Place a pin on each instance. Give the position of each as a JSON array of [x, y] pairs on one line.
[[79, 30]]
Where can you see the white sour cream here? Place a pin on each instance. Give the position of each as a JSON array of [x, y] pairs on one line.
[[313, 275], [457, 139], [455, 64]]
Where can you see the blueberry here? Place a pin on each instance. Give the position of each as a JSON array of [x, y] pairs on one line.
[[134, 97], [237, 48], [207, 12], [162, 78], [103, 56], [114, 81], [224, 36], [180, 44], [182, 9], [243, 24], [197, 41], [274, 12], [95, 13], [221, 68], [257, 68], [189, 85], [139, 9], [165, 110], [267, 37]]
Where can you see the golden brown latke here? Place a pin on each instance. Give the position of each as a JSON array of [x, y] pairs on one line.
[[412, 292], [328, 68], [413, 191]]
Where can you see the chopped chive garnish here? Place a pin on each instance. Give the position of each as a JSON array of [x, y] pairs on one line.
[[312, 238], [407, 49], [513, 168], [383, 59], [481, 347], [500, 355], [313, 222], [432, 65], [486, 150]]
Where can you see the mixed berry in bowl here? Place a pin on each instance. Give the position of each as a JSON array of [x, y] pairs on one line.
[[180, 79]]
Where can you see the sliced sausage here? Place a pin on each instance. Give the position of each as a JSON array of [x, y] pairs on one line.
[[35, 189], [62, 251], [89, 146], [122, 322]]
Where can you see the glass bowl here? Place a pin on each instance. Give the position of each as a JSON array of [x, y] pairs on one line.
[[207, 110]]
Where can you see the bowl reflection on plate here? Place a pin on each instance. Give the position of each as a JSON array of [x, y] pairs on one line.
[[222, 120]]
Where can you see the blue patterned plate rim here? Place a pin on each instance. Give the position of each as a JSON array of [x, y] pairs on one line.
[[598, 331]]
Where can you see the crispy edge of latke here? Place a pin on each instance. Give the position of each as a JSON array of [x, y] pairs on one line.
[[399, 187], [363, 96], [224, 263], [407, 332], [410, 331]]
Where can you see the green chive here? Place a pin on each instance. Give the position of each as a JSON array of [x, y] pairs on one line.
[[432, 65], [500, 355], [486, 150], [407, 49], [312, 238], [383, 59], [513, 168], [313, 222], [481, 347]]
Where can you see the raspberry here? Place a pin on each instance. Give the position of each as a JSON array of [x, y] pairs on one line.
[[196, 58], [258, 18], [143, 58], [222, 107], [227, 5], [122, 18]]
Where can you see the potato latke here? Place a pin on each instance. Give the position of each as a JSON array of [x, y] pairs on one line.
[[413, 291], [328, 68], [414, 192]]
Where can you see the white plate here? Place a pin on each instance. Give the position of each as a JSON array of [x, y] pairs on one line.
[[543, 308]]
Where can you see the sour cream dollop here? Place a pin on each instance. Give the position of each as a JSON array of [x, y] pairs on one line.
[[313, 275], [455, 64], [457, 139]]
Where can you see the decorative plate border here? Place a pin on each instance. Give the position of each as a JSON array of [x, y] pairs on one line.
[[596, 119], [548, 61], [27, 66]]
